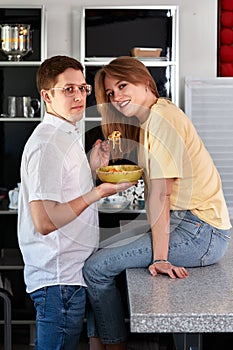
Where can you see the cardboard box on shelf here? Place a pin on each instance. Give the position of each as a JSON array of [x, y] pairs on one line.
[[146, 52]]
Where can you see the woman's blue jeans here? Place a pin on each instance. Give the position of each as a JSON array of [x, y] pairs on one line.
[[193, 243], [60, 311]]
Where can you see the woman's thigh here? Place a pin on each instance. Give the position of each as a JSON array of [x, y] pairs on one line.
[[194, 242], [112, 260]]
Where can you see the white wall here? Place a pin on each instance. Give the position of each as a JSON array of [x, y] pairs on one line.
[[198, 31]]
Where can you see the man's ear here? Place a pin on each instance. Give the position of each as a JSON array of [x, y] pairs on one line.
[[45, 96]]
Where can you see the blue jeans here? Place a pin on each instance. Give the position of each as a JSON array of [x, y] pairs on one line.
[[192, 243], [60, 311]]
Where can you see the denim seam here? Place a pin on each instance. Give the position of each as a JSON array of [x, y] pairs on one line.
[[208, 251], [191, 239], [218, 233]]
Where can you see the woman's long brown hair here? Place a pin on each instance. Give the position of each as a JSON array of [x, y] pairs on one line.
[[133, 71]]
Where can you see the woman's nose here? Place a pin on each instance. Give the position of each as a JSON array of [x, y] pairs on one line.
[[117, 96]]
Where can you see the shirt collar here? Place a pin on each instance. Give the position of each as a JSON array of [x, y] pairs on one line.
[[60, 123]]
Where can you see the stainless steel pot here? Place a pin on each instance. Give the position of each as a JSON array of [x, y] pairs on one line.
[[15, 40]]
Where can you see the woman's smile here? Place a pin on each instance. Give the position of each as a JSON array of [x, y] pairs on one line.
[[123, 104]]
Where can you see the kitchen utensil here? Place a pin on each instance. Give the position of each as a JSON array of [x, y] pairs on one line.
[[22, 106], [113, 203], [15, 40], [13, 197], [119, 173]]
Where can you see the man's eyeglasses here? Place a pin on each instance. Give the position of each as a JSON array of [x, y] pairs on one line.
[[71, 90]]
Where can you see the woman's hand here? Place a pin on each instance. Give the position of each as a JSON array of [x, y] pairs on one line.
[[168, 269], [100, 154]]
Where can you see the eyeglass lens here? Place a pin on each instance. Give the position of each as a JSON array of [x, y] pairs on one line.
[[71, 90]]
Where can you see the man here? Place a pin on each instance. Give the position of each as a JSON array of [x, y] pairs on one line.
[[57, 216]]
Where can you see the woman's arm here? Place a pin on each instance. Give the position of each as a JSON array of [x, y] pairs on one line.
[[159, 217]]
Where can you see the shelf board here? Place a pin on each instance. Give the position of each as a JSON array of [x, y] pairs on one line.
[[92, 119], [153, 63], [19, 119], [11, 267], [11, 264], [11, 259], [20, 322], [20, 63], [150, 62], [128, 210], [8, 211]]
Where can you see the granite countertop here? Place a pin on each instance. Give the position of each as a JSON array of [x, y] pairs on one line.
[[201, 303]]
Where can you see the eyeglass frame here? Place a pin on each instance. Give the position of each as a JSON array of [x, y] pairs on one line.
[[77, 87]]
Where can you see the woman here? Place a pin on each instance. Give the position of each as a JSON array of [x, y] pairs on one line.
[[185, 204]]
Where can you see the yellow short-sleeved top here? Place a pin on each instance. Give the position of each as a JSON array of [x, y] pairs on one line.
[[171, 148]]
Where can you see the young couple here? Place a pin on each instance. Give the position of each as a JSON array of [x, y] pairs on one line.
[[58, 217]]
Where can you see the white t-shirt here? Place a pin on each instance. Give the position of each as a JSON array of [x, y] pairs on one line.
[[54, 167]]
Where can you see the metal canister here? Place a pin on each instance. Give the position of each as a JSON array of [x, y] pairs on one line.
[[15, 40]]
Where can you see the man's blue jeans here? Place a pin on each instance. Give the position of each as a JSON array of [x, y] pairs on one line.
[[60, 311], [192, 243]]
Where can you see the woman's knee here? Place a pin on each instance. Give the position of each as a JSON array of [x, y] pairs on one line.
[[88, 269], [95, 266]]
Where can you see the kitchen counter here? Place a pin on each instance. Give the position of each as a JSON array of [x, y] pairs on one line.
[[202, 303]]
